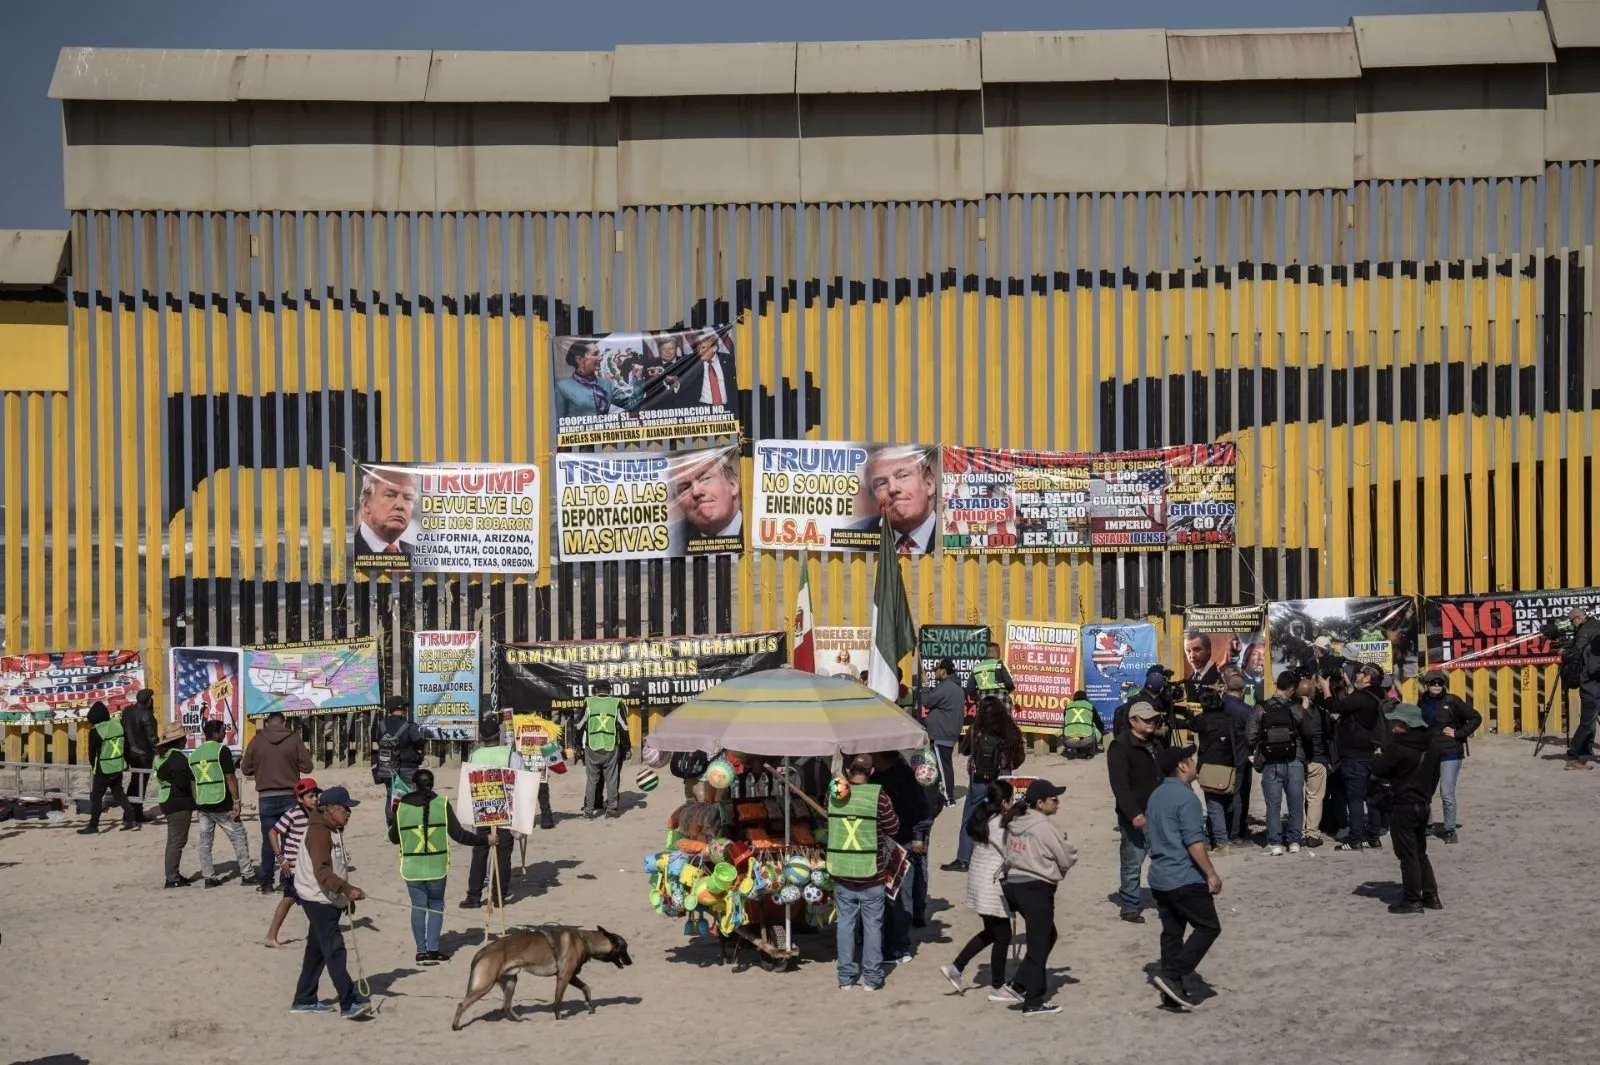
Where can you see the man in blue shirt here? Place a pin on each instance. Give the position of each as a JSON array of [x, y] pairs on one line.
[[1181, 877]]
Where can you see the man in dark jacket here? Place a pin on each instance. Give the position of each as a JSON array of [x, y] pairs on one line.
[[1410, 763], [1131, 765], [1235, 688], [275, 759], [1276, 737], [910, 802], [1580, 668], [1157, 692], [400, 748], [1451, 720], [108, 754], [139, 727], [1216, 743], [944, 706], [1360, 733]]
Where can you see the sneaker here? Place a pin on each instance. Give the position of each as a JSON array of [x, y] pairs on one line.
[[1173, 992], [612, 815], [1007, 994], [957, 866], [902, 959], [1578, 763], [1311, 841], [1219, 851], [952, 974], [180, 881], [357, 1010], [1132, 916], [848, 987], [214, 881], [89, 830], [1294, 848], [130, 826], [1405, 907], [1374, 844], [248, 882], [470, 904], [424, 958], [1348, 847], [1275, 850], [1040, 1009], [872, 987], [311, 1007], [266, 889], [1431, 902], [1450, 836], [588, 815]]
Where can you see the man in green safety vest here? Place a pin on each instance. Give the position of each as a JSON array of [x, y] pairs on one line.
[[422, 822], [1080, 727], [490, 751], [175, 793], [216, 797], [990, 677], [857, 821], [605, 745], [108, 754]]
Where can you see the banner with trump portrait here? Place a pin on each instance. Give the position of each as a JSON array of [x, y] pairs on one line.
[[639, 388], [447, 518], [828, 495], [649, 504]]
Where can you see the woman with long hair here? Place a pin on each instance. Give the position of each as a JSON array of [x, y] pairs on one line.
[[984, 894], [994, 748], [1037, 858]]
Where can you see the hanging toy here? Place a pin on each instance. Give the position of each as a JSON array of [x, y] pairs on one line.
[[796, 870], [736, 761], [719, 774], [925, 768], [812, 894], [819, 877], [651, 755], [647, 780], [717, 849], [789, 895], [839, 790]]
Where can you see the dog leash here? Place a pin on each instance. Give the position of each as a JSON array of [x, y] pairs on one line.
[[363, 985]]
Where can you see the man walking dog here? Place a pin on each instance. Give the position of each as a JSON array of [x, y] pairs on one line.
[[325, 894]]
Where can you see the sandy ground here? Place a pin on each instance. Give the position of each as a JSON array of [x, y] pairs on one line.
[[102, 965]]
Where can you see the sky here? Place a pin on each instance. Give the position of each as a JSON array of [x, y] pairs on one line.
[[36, 31]]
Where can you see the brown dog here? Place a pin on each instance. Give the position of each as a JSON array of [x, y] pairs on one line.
[[558, 952]]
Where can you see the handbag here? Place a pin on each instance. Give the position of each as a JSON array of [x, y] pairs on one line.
[[1216, 779]]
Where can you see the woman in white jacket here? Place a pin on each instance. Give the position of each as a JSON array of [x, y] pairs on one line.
[[985, 895], [1037, 858]]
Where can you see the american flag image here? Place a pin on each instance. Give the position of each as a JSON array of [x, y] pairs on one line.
[[204, 688], [1109, 651]]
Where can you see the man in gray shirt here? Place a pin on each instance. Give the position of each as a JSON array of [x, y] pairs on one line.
[[944, 707]]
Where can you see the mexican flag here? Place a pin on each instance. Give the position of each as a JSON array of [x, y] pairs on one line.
[[893, 636], [805, 648]]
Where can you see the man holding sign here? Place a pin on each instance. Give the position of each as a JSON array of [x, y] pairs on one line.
[[490, 752]]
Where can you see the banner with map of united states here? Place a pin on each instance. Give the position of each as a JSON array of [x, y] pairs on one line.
[[324, 677]]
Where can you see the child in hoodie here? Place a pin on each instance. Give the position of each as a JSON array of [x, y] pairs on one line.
[[1037, 857]]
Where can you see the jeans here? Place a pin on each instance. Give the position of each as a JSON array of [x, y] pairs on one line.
[[210, 821], [1135, 848], [427, 912], [272, 808], [1366, 824], [996, 935], [977, 792], [1217, 808], [1316, 790], [1582, 745], [1190, 906], [1239, 810], [97, 796], [1449, 773], [324, 950], [1280, 780], [1410, 838], [947, 771], [1035, 901], [177, 838], [478, 872], [860, 917], [604, 769]]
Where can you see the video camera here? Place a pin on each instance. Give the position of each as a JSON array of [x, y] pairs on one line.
[[1558, 631]]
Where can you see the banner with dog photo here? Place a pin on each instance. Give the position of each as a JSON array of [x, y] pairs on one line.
[[1042, 659], [831, 495], [1115, 659], [632, 388], [1499, 629], [445, 682], [554, 679], [203, 684], [447, 518], [1219, 636], [63, 685], [1316, 636], [649, 505]]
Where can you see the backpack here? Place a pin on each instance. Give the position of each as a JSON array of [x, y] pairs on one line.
[[689, 765], [388, 756], [1280, 736], [989, 759]]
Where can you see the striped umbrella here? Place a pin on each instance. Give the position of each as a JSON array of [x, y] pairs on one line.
[[788, 713]]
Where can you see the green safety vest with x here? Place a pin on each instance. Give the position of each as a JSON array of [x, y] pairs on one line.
[[853, 833], [205, 761]]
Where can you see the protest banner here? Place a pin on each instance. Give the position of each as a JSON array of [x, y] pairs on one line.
[[533, 735], [445, 681], [1000, 501], [316, 677], [1115, 659], [965, 645], [649, 505], [446, 518], [554, 679], [631, 388], [203, 685], [63, 685], [1380, 629], [490, 788], [1499, 629], [1217, 636], [1042, 659], [842, 650], [826, 495]]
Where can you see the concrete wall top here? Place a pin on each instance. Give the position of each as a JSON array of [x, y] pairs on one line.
[[1573, 23], [703, 70], [1263, 55], [150, 74], [1488, 39], [520, 77], [889, 66], [32, 258], [1095, 55], [378, 77]]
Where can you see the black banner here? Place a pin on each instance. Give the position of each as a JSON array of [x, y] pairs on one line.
[[1501, 629], [661, 674], [966, 645]]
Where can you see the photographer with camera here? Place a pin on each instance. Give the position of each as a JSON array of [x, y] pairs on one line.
[[1580, 668], [1158, 691], [1360, 733]]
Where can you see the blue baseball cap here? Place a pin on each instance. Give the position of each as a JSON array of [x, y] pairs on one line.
[[337, 797]]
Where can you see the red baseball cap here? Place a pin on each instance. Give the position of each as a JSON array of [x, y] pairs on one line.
[[304, 785]]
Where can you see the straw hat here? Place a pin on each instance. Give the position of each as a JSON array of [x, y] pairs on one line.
[[171, 732]]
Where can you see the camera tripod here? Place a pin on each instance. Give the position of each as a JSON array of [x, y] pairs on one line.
[[1558, 689]]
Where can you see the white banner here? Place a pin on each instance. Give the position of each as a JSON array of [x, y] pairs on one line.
[[447, 518], [649, 505], [828, 495]]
